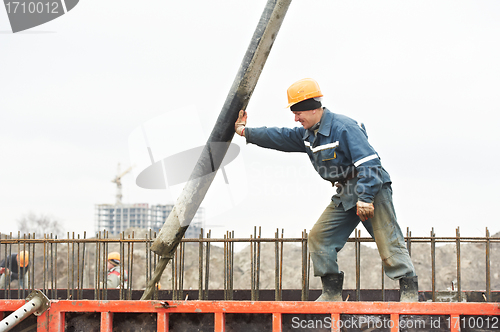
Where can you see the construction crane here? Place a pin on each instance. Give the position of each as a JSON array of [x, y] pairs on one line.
[[118, 181]]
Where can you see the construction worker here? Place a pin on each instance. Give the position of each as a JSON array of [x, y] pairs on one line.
[[114, 271], [14, 267], [338, 148]]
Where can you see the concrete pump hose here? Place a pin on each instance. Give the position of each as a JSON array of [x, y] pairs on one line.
[[160, 267]]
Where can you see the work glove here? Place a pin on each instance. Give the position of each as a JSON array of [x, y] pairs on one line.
[[239, 126], [364, 210]]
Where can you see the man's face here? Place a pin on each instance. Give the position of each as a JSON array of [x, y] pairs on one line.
[[306, 118], [110, 266]]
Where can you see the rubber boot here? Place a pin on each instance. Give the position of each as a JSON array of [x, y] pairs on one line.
[[332, 287], [408, 289]]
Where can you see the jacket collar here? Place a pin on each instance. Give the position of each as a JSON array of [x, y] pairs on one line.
[[324, 127]]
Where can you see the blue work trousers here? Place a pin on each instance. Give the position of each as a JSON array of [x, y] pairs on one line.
[[333, 228]]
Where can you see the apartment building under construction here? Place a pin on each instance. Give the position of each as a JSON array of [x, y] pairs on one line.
[[116, 218]]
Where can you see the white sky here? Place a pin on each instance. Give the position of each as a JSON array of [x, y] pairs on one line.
[[424, 77]]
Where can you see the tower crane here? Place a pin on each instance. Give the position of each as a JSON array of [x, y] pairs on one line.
[[118, 181]]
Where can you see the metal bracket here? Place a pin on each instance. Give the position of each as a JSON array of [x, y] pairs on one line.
[[165, 305], [44, 301]]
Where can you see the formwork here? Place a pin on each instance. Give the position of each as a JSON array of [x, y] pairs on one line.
[[219, 316]]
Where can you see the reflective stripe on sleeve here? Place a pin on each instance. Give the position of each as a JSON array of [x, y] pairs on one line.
[[365, 159]]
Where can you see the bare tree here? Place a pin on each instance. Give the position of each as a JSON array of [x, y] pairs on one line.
[[39, 224]]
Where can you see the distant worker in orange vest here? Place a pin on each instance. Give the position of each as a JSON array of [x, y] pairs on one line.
[[114, 271], [14, 267]]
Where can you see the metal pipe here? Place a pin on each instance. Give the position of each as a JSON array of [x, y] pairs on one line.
[[220, 139], [37, 304]]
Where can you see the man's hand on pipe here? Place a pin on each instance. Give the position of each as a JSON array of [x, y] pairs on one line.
[[239, 126]]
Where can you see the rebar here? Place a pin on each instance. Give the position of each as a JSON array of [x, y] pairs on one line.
[[304, 265], [281, 265], [252, 267], [80, 263], [83, 265], [200, 267], [408, 240], [459, 268], [277, 295], [257, 295], [357, 244], [433, 260], [207, 265], [488, 271], [382, 281], [225, 268]]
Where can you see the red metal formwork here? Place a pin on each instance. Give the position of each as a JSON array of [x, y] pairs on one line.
[[53, 320]]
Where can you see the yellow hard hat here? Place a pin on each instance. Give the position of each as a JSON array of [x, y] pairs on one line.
[[23, 258], [301, 90], [114, 258]]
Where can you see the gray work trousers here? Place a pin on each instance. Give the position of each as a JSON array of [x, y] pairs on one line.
[[334, 226]]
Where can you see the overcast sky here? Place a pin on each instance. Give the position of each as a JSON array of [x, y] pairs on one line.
[[424, 77]]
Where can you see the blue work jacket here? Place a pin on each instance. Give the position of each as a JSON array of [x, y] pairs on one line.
[[339, 152]]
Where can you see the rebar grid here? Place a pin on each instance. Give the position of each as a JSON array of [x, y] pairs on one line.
[[85, 266]]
